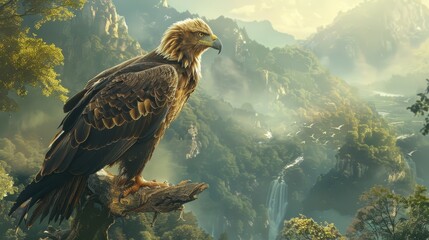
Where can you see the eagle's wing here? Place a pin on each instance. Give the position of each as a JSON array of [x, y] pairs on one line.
[[129, 107], [102, 123]]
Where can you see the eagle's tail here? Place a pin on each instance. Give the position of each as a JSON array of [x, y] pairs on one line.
[[54, 195]]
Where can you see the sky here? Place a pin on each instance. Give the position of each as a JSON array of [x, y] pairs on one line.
[[300, 18]]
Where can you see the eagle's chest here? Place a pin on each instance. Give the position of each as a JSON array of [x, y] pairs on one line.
[[184, 90]]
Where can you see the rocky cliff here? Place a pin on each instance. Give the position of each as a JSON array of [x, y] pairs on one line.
[[372, 33], [97, 38]]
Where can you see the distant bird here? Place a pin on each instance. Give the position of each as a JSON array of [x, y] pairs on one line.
[[119, 118], [324, 132], [333, 135], [312, 136], [297, 132], [404, 136], [268, 134], [302, 142], [309, 126], [339, 127], [411, 153], [326, 142], [289, 135], [331, 103]]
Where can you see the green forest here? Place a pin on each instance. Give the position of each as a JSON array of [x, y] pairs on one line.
[[261, 117]]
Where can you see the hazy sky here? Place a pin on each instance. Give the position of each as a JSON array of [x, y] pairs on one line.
[[297, 17]]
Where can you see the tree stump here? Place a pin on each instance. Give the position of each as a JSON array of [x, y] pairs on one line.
[[102, 204]]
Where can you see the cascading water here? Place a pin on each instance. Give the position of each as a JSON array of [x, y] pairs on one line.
[[413, 170], [277, 201]]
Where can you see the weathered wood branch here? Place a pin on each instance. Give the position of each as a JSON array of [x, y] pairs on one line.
[[103, 204]]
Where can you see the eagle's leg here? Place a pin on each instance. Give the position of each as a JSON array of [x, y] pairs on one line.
[[139, 182]]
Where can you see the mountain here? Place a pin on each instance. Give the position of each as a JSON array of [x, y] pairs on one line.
[[264, 33], [371, 37], [101, 41], [255, 111], [249, 90]]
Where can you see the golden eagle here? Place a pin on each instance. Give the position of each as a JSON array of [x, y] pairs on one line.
[[119, 117]]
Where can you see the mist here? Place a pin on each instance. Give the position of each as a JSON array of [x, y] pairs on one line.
[[336, 98]]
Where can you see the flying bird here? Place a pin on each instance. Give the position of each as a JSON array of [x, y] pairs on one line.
[[268, 134], [118, 118], [339, 127], [411, 153]]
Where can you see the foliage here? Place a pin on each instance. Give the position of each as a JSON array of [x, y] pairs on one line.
[[8, 228], [302, 228], [168, 226], [185, 232], [26, 59], [24, 156], [421, 108], [367, 155], [387, 215], [234, 158], [6, 182], [380, 218]]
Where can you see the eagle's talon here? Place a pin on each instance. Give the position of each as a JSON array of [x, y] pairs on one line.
[[139, 182]]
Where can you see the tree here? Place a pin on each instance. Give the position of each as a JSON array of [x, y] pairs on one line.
[[6, 182], [421, 107], [416, 225], [380, 217], [186, 232], [303, 228], [25, 59], [388, 215]]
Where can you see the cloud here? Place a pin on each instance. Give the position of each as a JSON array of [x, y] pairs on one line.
[[246, 10], [299, 18]]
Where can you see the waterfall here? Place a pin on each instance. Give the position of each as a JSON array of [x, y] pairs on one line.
[[277, 201], [413, 170]]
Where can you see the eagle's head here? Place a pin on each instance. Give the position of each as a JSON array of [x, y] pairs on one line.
[[186, 40]]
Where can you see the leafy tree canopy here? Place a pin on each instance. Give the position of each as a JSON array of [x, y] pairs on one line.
[[185, 232], [388, 215], [421, 107], [25, 59], [303, 228], [6, 182]]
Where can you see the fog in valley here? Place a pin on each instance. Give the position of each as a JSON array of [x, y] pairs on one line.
[[304, 110]]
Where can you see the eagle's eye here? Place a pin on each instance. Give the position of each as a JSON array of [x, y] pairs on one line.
[[201, 34]]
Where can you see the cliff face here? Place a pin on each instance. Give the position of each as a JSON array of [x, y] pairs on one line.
[[372, 33], [97, 38]]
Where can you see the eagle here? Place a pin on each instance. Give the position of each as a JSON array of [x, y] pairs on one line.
[[118, 118]]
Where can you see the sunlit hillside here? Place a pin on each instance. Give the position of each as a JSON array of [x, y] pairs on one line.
[[276, 130]]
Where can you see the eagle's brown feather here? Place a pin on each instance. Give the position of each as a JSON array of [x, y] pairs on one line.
[[119, 117]]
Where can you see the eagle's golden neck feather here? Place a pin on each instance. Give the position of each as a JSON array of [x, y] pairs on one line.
[[173, 46]]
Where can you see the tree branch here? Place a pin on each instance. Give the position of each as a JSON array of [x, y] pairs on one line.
[[102, 205]]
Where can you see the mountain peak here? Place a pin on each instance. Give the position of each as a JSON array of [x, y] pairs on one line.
[[374, 31], [264, 32]]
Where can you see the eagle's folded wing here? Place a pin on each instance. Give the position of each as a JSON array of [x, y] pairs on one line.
[[129, 107]]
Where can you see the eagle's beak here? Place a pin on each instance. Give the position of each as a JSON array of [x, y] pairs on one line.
[[216, 43]]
